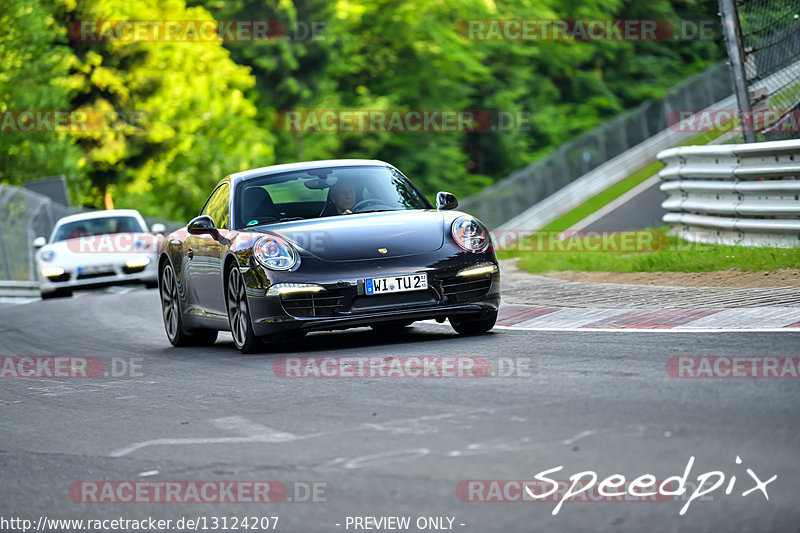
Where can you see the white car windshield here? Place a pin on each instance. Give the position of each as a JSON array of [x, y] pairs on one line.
[[97, 226]]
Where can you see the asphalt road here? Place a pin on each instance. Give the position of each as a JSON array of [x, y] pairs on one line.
[[392, 447], [641, 211]]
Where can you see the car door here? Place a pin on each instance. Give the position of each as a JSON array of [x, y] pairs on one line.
[[206, 254]]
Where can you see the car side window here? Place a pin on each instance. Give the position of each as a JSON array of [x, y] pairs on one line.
[[218, 206]]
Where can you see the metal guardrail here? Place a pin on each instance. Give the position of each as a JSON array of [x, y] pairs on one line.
[[528, 199], [734, 194], [599, 179], [19, 289], [534, 196]]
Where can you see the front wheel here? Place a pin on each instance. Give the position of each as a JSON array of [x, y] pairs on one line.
[[475, 326], [239, 315], [171, 311]]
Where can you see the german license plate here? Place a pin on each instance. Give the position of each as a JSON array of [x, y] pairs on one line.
[[410, 282], [94, 269]]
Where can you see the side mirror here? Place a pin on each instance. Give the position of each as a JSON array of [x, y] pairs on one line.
[[158, 228], [38, 242], [202, 225], [445, 200]]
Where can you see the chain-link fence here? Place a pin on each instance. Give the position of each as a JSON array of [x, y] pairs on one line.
[[523, 188], [770, 32], [24, 215]]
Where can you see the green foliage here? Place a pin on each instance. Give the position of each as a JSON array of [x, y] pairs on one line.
[[32, 73], [192, 121], [179, 116]]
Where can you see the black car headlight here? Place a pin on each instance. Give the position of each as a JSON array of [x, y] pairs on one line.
[[275, 253], [470, 234]]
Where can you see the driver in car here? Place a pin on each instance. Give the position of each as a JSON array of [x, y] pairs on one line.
[[343, 197]]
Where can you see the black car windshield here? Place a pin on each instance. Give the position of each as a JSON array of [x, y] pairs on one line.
[[97, 226], [324, 192]]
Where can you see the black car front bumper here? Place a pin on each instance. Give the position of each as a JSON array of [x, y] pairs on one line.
[[343, 303]]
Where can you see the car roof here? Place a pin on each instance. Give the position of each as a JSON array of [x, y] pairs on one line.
[[305, 165], [88, 215]]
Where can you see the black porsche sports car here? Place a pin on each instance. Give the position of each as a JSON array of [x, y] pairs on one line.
[[279, 251]]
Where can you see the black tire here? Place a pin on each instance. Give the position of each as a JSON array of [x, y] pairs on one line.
[[244, 337], [58, 293], [391, 328], [474, 326], [171, 313]]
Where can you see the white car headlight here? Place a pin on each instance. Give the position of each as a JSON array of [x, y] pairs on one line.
[[470, 234], [142, 245], [48, 255], [138, 262], [52, 272], [275, 253]]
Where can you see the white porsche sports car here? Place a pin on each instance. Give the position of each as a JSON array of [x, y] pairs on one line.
[[96, 249]]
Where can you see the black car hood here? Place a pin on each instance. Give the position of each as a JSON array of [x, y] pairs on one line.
[[366, 235]]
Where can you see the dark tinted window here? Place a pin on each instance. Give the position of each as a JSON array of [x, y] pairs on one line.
[[218, 206], [333, 191]]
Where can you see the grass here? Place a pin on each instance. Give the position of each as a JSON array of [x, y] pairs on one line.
[[678, 256], [601, 199]]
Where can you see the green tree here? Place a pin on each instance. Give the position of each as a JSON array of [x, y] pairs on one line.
[[33, 70], [178, 117]]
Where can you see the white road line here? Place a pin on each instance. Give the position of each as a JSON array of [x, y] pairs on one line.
[[674, 329], [259, 433], [671, 330], [253, 432], [579, 436], [248, 428]]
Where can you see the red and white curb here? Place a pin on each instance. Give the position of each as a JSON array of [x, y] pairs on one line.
[[538, 318]]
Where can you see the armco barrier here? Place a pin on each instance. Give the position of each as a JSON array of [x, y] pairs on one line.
[[734, 194], [534, 196]]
